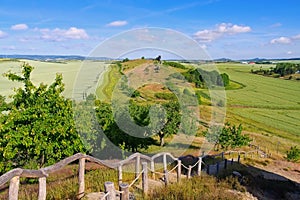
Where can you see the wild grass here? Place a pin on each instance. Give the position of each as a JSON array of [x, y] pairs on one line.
[[204, 187]]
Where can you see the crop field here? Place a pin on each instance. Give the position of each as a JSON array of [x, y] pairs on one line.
[[44, 72], [267, 106]]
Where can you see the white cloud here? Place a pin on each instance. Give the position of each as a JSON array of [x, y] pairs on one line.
[[289, 52], [220, 30], [281, 40], [63, 34], [2, 34], [19, 27], [296, 37], [117, 23]]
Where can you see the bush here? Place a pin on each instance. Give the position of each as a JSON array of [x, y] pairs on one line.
[[293, 154]]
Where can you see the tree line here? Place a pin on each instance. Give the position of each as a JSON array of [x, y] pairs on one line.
[[280, 70]]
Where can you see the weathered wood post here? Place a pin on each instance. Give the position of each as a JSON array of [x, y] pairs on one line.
[[124, 188], [145, 178], [199, 166], [231, 161], [152, 168], [14, 188], [81, 178], [178, 170], [120, 174], [218, 167], [42, 188], [110, 189], [189, 174], [165, 169], [222, 155], [225, 164], [239, 157], [137, 165]]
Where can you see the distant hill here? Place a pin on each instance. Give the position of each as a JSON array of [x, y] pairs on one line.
[[53, 57]]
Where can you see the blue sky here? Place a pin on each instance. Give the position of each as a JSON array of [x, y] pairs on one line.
[[224, 28]]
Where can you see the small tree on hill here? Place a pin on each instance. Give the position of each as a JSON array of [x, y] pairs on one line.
[[293, 154], [227, 136]]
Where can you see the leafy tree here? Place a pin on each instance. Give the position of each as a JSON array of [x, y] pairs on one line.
[[39, 126], [227, 136], [293, 154], [171, 121], [135, 140]]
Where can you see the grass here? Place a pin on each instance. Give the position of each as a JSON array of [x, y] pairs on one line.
[[266, 106], [204, 187]]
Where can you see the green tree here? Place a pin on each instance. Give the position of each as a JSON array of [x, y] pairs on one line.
[[39, 127], [227, 136]]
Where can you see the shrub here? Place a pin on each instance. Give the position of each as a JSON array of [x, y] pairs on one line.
[[293, 154]]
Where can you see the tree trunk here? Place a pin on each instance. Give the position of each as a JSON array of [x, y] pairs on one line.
[[162, 141]]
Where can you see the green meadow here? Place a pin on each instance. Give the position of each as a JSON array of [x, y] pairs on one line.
[[268, 107]]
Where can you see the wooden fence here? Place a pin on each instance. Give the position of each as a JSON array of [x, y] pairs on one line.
[[13, 176]]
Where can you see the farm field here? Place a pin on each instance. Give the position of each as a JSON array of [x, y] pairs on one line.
[[266, 106], [44, 72]]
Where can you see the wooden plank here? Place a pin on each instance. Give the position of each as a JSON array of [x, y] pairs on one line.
[[178, 170], [14, 188], [42, 188], [81, 178], [145, 184], [110, 189], [124, 188]]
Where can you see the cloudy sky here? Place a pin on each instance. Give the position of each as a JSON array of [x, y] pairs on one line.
[[224, 28]]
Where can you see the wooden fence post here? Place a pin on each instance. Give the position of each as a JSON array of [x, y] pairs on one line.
[[137, 165], [225, 164], [207, 169], [42, 188], [239, 157], [152, 169], [218, 166], [145, 178], [120, 174], [179, 170], [165, 169], [222, 155], [165, 161], [81, 178], [124, 188], [189, 172], [199, 166], [14, 188], [231, 161], [110, 189]]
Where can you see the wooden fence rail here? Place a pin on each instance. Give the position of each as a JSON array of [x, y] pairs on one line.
[[13, 176]]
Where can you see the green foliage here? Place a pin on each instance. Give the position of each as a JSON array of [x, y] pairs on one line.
[[174, 64], [125, 60], [227, 136], [293, 154], [203, 78], [3, 104], [117, 136], [39, 125], [165, 95], [281, 69]]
